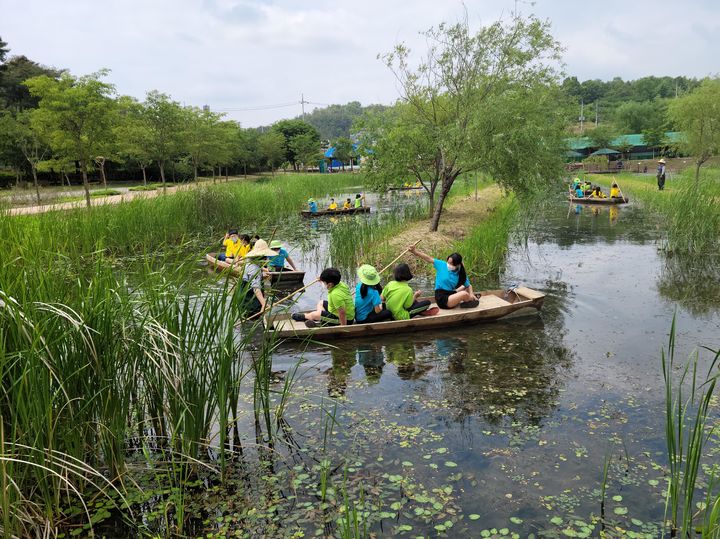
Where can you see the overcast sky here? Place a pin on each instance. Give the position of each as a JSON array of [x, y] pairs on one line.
[[235, 55]]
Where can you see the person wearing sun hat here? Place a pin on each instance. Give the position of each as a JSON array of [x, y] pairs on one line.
[[661, 175], [252, 277], [368, 303], [312, 205], [277, 262]]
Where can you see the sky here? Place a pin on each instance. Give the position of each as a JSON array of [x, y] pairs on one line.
[[254, 59]]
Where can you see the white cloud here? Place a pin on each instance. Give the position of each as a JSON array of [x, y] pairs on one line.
[[252, 53]]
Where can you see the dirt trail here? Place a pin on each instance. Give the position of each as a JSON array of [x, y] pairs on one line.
[[101, 201], [459, 217]]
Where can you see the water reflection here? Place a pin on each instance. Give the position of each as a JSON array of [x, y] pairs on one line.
[[693, 282]]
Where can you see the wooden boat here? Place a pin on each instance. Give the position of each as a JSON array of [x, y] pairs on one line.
[[494, 305], [322, 213], [608, 201], [412, 188], [276, 277]]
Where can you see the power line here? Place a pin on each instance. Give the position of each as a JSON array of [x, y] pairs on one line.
[[302, 104]]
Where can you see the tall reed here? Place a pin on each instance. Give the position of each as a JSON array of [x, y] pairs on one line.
[[485, 248], [686, 421]]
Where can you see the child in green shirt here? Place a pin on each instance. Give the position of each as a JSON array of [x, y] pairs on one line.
[[399, 297], [338, 309]]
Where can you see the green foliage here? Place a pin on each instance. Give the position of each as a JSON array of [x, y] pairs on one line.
[[461, 107], [337, 121], [602, 135], [289, 129], [485, 248], [306, 149], [133, 134], [344, 150], [75, 116], [14, 94], [271, 149], [636, 117], [164, 118], [698, 116]]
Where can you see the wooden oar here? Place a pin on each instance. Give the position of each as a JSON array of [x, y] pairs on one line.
[[283, 299], [621, 193], [398, 257]]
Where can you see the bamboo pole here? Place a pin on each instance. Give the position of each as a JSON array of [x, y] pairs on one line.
[[283, 299]]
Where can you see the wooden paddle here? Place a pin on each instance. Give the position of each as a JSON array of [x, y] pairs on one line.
[[398, 257], [621, 193], [283, 299]]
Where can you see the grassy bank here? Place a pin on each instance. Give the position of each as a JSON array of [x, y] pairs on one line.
[[479, 229], [120, 366], [143, 225], [692, 211]]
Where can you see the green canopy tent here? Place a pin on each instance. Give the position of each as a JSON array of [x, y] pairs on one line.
[[605, 151]]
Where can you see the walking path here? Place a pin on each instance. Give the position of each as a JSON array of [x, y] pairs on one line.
[[112, 199]]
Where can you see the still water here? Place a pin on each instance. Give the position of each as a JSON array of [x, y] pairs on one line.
[[504, 428]]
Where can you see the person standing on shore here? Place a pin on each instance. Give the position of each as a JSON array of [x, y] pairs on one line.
[[661, 174]]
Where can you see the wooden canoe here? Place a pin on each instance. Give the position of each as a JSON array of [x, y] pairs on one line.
[[322, 213], [413, 188], [276, 277], [494, 305], [607, 201]]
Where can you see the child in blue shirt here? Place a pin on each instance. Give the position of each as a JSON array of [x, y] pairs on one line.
[[452, 286], [277, 262], [368, 303]]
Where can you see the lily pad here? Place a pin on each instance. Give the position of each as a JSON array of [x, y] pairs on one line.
[[474, 516], [620, 510]]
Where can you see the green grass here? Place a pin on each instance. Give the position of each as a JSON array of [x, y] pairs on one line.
[[484, 250], [692, 218], [358, 241], [107, 334]]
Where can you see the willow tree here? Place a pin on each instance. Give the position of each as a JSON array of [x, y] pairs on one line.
[[486, 101], [75, 116], [698, 115]]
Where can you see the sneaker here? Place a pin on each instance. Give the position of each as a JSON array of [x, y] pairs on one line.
[[310, 323], [469, 304], [298, 317]]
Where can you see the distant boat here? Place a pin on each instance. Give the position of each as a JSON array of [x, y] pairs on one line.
[[590, 200], [276, 277], [494, 305], [322, 213]]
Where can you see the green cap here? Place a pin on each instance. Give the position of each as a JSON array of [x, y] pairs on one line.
[[368, 275], [275, 244]]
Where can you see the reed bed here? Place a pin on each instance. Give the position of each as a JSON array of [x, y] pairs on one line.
[[484, 250], [687, 429], [352, 241], [118, 361], [142, 226], [691, 210]]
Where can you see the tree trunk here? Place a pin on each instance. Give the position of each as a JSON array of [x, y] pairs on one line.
[[144, 176], [213, 172], [102, 173], [245, 170], [227, 175], [435, 221], [161, 164], [195, 172], [86, 185], [351, 165], [35, 179]]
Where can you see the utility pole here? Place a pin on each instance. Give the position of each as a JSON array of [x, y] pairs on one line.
[[302, 103], [596, 113], [582, 116]]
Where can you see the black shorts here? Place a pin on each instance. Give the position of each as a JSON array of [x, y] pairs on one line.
[[329, 319], [441, 297]]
